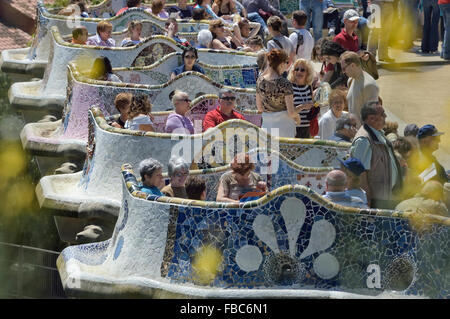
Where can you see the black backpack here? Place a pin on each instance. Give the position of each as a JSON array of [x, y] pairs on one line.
[[300, 41]]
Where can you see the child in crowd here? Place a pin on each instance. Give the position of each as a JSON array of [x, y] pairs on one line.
[[134, 31], [195, 188], [139, 115], [122, 103], [103, 36], [79, 35]]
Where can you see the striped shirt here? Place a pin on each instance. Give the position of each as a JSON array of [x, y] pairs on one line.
[[302, 94]]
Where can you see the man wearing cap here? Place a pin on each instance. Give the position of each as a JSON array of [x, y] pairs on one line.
[[347, 38], [426, 165], [354, 168], [224, 111], [382, 179], [336, 182]]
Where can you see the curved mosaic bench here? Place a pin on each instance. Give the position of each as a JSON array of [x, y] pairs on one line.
[[289, 243], [69, 136], [50, 92], [33, 59], [106, 146]]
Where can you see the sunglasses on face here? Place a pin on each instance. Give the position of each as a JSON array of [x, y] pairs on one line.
[[181, 174], [300, 69], [220, 26], [185, 100], [189, 56], [229, 98]]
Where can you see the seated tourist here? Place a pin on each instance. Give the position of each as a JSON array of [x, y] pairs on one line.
[[428, 201], [196, 188], [206, 4], [336, 182], [76, 8], [102, 70], [224, 9], [134, 32], [171, 26], [139, 117], [239, 181], [103, 36], [189, 57], [256, 45], [225, 110], [353, 168], [130, 4], [346, 128], [177, 122], [151, 174], [157, 8], [199, 14], [204, 39], [327, 123], [178, 171], [79, 35], [182, 10], [122, 103]]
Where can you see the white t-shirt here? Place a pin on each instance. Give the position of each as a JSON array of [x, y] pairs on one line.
[[327, 124], [285, 43], [305, 49], [134, 123]]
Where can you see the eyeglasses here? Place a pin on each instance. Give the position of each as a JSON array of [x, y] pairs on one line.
[[228, 98], [184, 100], [181, 174], [287, 62], [189, 56], [220, 26], [299, 69]]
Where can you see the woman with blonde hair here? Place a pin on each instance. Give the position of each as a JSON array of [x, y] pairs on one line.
[[275, 96], [327, 123], [139, 117], [301, 75], [134, 32], [223, 38]]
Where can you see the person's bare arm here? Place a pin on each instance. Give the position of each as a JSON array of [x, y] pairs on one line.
[[146, 127], [289, 100], [222, 197], [259, 103]]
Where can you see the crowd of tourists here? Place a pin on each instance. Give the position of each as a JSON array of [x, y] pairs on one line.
[[383, 169]]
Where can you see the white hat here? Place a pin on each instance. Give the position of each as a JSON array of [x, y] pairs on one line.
[[351, 15]]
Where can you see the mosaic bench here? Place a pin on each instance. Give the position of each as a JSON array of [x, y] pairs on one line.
[[69, 135], [50, 92], [34, 58], [290, 243], [108, 148]]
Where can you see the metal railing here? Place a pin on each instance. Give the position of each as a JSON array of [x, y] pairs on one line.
[[29, 272]]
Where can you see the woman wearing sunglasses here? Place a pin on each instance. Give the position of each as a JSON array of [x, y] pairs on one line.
[[189, 57], [274, 96], [177, 122], [223, 38], [301, 75]]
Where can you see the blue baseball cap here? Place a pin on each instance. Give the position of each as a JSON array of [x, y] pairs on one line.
[[428, 130], [354, 165]]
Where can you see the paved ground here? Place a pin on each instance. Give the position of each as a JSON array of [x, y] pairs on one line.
[[421, 95]]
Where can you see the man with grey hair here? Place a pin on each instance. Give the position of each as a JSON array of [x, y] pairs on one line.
[[178, 171], [225, 110], [151, 174], [383, 178], [346, 127], [336, 183]]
